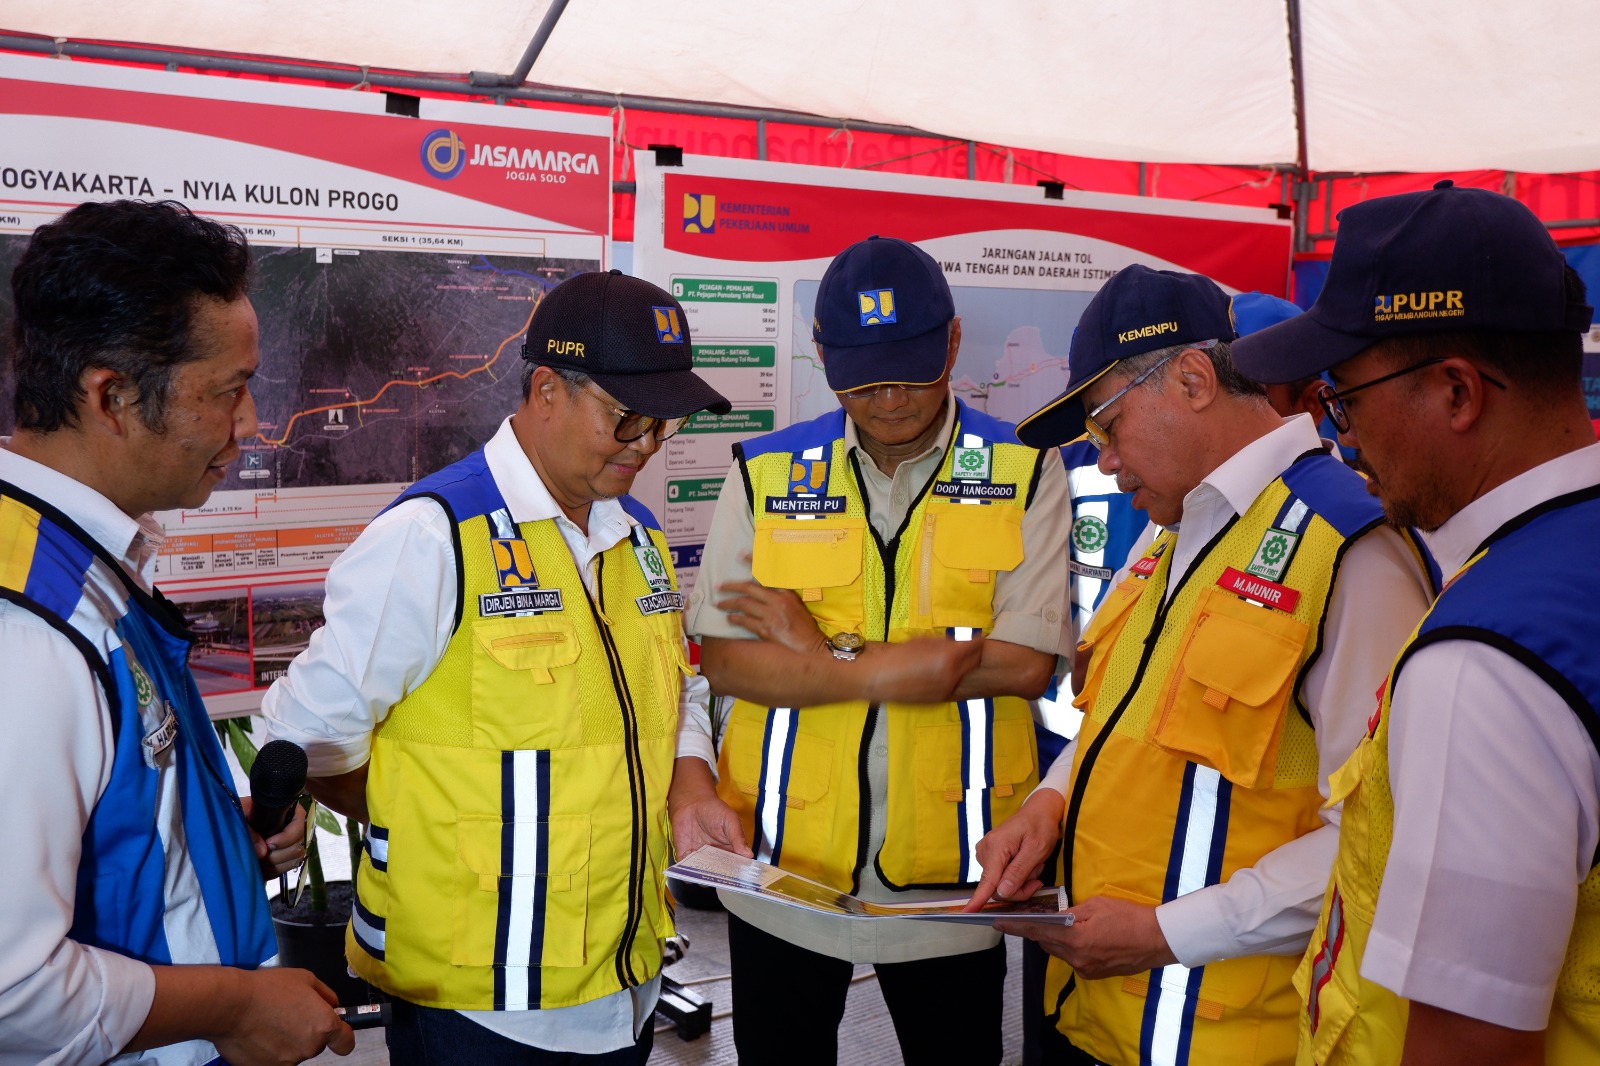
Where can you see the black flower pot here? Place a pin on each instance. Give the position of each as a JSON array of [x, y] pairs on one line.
[[314, 940]]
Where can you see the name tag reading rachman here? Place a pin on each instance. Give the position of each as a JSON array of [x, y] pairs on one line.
[[660, 602]]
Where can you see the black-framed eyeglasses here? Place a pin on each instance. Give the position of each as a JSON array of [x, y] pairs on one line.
[[1333, 399], [631, 425]]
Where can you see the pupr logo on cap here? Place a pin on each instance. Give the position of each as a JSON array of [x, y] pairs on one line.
[[877, 307], [567, 349], [1404, 305], [668, 329], [699, 213]]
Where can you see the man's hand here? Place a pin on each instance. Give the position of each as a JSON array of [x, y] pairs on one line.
[[266, 1017], [775, 615], [289, 1018], [1108, 938], [1013, 853], [925, 670], [284, 850], [699, 817]]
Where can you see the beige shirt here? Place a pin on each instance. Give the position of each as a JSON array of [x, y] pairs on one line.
[[1031, 607]]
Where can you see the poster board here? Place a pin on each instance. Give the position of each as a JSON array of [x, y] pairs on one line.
[[742, 245], [398, 260]]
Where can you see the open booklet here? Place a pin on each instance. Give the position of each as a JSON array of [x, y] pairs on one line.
[[723, 869]]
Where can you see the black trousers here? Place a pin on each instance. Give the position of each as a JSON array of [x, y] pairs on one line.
[[428, 1036], [787, 1003]]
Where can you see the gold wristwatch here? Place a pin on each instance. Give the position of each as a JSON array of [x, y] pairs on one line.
[[846, 646]]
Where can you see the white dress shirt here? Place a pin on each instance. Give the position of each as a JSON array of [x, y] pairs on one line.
[[1496, 804], [60, 1001], [1381, 592], [383, 638]]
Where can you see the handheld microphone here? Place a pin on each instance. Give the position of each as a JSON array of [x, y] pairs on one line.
[[277, 778]]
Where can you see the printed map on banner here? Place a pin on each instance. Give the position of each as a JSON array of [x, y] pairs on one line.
[[397, 263], [743, 246]]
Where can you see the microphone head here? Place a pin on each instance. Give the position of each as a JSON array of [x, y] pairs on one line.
[[278, 775]]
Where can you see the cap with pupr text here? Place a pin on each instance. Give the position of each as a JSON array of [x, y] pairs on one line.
[[628, 335], [1446, 258]]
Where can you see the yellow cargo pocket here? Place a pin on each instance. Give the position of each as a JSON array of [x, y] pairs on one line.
[[671, 667], [940, 779], [528, 662], [1225, 706], [561, 895], [820, 560], [1104, 628], [970, 543]]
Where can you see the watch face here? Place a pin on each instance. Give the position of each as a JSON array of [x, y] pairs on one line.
[[847, 641]]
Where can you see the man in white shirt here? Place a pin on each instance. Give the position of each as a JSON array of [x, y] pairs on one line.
[[134, 923], [1460, 924], [1229, 674], [497, 693]]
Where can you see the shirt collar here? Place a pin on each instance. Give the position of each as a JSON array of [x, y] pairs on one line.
[[1244, 474], [1458, 538], [132, 541], [852, 435], [529, 500]]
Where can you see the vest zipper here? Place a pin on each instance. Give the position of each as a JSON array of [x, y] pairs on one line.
[[630, 747], [1151, 639]]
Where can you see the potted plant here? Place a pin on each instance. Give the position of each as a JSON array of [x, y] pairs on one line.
[[309, 921]]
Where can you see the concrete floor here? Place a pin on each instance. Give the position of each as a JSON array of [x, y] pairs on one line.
[[866, 1036]]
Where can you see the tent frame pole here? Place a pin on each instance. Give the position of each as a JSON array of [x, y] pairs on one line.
[[541, 35]]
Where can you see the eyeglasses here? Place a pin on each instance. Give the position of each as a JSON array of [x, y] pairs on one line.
[[1096, 432], [873, 391], [631, 425], [1333, 400]]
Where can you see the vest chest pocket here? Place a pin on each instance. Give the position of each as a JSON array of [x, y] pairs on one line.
[[820, 560], [965, 547], [525, 683], [537, 873], [1226, 701], [1104, 629]]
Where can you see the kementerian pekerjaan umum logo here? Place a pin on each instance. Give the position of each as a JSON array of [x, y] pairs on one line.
[[445, 154]]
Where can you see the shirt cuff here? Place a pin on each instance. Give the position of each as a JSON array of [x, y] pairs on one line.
[[1195, 928], [130, 991], [1030, 631]]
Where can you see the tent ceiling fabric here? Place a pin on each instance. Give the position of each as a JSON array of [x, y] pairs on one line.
[[1421, 85]]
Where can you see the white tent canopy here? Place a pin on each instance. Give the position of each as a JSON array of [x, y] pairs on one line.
[[1413, 85]]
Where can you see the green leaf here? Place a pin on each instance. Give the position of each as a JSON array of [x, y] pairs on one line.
[[326, 820], [244, 749]]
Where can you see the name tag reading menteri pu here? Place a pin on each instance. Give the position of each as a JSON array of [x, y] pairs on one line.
[[805, 505], [1259, 589]]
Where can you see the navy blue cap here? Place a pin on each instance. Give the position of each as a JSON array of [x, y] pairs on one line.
[[881, 313], [1422, 262], [1137, 311], [630, 336]]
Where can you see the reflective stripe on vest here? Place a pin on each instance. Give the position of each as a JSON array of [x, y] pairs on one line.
[[524, 854]]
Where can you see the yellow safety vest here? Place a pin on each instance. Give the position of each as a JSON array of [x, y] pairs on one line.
[[1349, 1021], [1196, 758], [518, 796], [798, 776]]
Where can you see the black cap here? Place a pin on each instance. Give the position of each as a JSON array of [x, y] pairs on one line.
[[1139, 310], [1422, 262], [630, 336]]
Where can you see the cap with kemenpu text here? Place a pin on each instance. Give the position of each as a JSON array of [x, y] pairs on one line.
[[1138, 310], [630, 336]]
